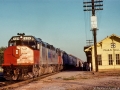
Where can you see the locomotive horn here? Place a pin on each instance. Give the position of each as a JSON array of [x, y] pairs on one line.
[[21, 34]]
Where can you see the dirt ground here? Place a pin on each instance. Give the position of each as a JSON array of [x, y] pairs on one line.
[[77, 80]]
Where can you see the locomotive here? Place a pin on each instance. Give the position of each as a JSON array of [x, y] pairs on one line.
[[28, 56]]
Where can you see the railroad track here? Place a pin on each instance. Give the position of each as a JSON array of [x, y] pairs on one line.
[[9, 85], [5, 83]]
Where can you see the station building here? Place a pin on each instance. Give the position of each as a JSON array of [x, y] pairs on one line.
[[108, 54]]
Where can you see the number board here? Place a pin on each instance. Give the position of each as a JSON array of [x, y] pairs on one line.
[[24, 38]]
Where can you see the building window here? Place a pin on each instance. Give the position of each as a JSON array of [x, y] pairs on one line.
[[117, 59], [110, 59], [99, 59]]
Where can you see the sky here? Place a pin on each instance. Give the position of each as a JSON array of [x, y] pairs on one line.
[[61, 23]]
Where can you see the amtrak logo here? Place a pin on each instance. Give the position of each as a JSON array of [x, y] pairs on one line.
[[113, 45]]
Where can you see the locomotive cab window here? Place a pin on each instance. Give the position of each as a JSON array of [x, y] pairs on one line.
[[32, 44], [14, 43]]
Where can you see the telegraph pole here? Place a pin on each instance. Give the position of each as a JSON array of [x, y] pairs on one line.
[[92, 6]]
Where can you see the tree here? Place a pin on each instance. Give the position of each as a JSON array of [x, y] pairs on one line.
[[2, 54]]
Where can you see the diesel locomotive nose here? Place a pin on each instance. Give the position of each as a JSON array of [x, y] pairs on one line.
[[16, 52]]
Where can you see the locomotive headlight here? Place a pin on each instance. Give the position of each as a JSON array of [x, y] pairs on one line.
[[21, 37]]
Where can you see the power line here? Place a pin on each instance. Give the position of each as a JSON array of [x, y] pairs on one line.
[[89, 42]]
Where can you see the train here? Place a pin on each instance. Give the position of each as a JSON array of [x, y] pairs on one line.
[[70, 61], [28, 57]]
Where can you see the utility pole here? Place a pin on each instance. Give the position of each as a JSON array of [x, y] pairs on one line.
[[92, 6]]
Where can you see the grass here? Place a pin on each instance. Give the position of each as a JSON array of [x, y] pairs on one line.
[[58, 78], [102, 72], [84, 78], [69, 78]]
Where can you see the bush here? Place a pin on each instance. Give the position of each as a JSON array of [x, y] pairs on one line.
[[2, 54]]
